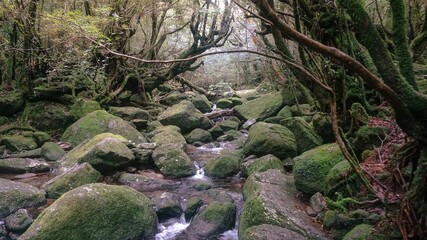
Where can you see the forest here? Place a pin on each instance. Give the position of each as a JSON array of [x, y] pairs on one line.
[[213, 119]]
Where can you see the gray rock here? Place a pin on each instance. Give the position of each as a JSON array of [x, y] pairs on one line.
[[202, 103], [215, 219], [129, 113], [317, 202], [15, 195], [51, 151], [19, 221], [104, 152], [270, 232], [270, 199], [23, 165], [169, 137], [167, 205], [148, 183], [77, 176]]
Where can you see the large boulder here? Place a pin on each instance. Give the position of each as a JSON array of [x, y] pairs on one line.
[[82, 107], [51, 151], [23, 165], [46, 116], [267, 138], [173, 98], [216, 218], [304, 134], [77, 176], [270, 199], [96, 211], [312, 167], [129, 113], [11, 103], [169, 137], [260, 108], [270, 232], [15, 195], [185, 116], [100, 122], [18, 143], [261, 164], [104, 152], [199, 135], [173, 161], [202, 103], [225, 165]]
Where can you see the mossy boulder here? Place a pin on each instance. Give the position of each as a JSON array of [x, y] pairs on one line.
[[341, 179], [46, 116], [199, 135], [167, 205], [215, 219], [299, 110], [230, 135], [129, 113], [15, 195], [228, 124], [285, 112], [11, 102], [304, 133], [270, 232], [322, 124], [360, 232], [267, 138], [224, 103], [173, 161], [216, 131], [75, 177], [185, 116], [82, 107], [51, 151], [193, 205], [98, 122], [202, 103], [19, 143], [169, 137], [366, 138], [96, 211], [261, 164], [260, 108], [312, 167], [270, 199], [172, 98], [23, 165], [104, 152], [19, 221], [225, 165]]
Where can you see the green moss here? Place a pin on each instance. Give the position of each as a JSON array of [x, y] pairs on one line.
[[312, 167], [224, 103], [90, 211], [254, 214], [265, 138], [193, 205], [262, 164], [224, 166], [305, 135], [260, 108], [98, 122], [216, 211], [82, 107], [46, 116], [168, 136], [341, 179], [173, 161], [360, 232]]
